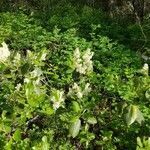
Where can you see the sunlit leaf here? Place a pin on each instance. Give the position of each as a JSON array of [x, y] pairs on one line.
[[45, 144], [75, 128], [139, 142], [92, 120], [134, 114], [140, 117], [17, 135], [75, 106], [131, 114]]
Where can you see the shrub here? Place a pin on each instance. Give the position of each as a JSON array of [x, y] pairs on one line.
[[48, 101], [22, 32]]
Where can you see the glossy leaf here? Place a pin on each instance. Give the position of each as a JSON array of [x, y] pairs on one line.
[[131, 114], [134, 114], [75, 128], [75, 106]]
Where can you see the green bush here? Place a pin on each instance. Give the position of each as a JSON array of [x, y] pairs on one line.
[[73, 94], [66, 84], [22, 32], [64, 17]]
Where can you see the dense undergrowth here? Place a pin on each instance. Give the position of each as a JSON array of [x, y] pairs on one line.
[[72, 80]]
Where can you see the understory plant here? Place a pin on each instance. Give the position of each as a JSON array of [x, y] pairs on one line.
[[74, 94]]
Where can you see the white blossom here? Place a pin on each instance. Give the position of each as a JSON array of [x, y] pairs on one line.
[[18, 87], [26, 80], [38, 81], [43, 57], [17, 57], [87, 89], [4, 52], [29, 53], [56, 105], [145, 67], [77, 59], [57, 98], [76, 87], [80, 68], [83, 64], [77, 53], [79, 94], [37, 72], [88, 55], [89, 66], [37, 90], [37, 84], [78, 91]]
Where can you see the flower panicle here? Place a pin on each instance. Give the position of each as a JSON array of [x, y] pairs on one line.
[[57, 98], [77, 91], [83, 64], [4, 52]]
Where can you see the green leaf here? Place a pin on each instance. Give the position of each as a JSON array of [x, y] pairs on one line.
[[17, 135], [139, 142], [45, 144], [75, 106], [140, 117], [33, 102], [25, 68], [134, 114], [49, 111], [75, 128], [9, 145], [92, 120], [131, 114]]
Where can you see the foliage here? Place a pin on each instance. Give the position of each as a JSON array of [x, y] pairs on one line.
[[72, 87], [22, 32], [144, 144], [43, 92]]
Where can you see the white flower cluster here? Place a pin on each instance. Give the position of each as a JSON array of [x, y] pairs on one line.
[[43, 56], [83, 64], [57, 98], [4, 52], [17, 58], [145, 69], [18, 87], [35, 78], [76, 90], [32, 56], [37, 72]]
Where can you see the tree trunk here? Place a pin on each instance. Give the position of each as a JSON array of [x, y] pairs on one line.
[[138, 9]]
